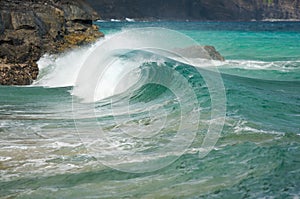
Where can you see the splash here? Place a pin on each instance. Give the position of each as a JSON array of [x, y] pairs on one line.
[[117, 65]]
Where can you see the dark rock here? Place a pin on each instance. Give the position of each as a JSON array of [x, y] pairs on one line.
[[213, 53], [203, 52], [224, 10], [23, 20], [79, 11], [18, 74], [30, 28], [6, 18], [2, 28]]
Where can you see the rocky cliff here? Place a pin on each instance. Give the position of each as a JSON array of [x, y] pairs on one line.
[[30, 28], [223, 10]]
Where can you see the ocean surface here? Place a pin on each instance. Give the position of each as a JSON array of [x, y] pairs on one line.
[[115, 121]]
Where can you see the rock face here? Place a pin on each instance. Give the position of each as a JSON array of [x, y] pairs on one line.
[[203, 52], [30, 28], [213, 53], [224, 10]]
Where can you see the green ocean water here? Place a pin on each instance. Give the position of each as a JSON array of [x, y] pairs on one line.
[[54, 145]]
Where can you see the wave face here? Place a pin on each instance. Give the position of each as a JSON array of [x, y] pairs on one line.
[[115, 120]]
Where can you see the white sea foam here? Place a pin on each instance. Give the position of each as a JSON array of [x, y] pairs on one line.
[[279, 20], [62, 70], [129, 20], [241, 127], [262, 65], [101, 20], [115, 20]]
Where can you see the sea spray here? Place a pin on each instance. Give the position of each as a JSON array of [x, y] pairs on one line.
[[103, 73], [62, 70]]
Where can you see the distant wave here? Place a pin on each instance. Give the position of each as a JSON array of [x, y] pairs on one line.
[[115, 20], [273, 65], [126, 19], [129, 19], [101, 20], [280, 20]]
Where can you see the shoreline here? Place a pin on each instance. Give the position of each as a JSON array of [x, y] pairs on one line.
[[188, 20]]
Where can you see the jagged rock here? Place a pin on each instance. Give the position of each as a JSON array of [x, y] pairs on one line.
[[18, 74], [23, 20], [213, 53], [33, 27], [203, 52]]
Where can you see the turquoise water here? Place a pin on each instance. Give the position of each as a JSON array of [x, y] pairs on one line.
[[55, 143]]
